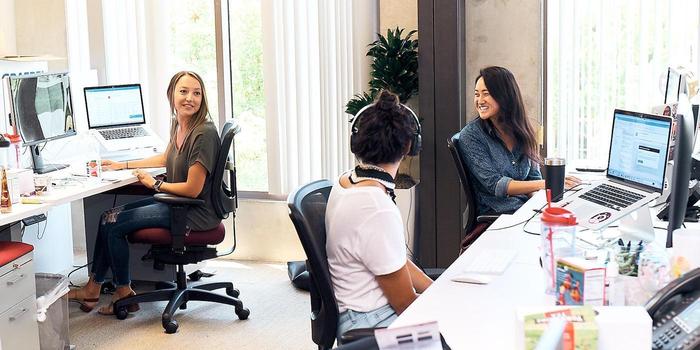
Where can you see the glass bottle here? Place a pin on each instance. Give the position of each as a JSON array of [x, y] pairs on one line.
[[5, 200]]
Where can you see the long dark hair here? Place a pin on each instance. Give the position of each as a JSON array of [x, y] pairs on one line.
[[512, 118]]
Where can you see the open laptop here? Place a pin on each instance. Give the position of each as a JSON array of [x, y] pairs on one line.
[[116, 119], [636, 170]]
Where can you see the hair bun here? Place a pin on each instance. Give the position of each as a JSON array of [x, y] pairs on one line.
[[387, 101]]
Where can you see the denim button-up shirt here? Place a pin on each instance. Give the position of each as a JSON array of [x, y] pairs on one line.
[[492, 166]]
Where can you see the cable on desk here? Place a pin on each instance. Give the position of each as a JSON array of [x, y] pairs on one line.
[[537, 211], [46, 223]]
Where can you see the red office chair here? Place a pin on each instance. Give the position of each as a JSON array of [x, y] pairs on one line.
[[179, 247]]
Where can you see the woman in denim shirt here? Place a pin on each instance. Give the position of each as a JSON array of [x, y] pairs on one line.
[[500, 146]]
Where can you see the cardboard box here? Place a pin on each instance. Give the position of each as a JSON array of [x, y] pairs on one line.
[[580, 282]]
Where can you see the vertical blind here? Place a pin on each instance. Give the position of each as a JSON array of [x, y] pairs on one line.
[[607, 54], [310, 73]]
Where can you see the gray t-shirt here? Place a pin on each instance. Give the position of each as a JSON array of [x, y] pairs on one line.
[[202, 145]]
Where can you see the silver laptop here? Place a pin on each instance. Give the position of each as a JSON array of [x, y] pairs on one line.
[[116, 119], [636, 170]]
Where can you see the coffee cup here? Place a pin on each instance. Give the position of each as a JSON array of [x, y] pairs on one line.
[[554, 176]]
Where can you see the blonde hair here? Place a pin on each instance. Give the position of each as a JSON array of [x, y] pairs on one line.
[[199, 117]]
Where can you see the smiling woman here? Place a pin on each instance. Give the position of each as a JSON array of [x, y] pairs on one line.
[[499, 145]]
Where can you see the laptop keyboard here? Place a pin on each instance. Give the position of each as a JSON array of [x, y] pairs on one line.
[[611, 196], [123, 133]]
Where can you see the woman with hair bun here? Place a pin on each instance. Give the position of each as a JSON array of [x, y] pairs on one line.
[[372, 279]]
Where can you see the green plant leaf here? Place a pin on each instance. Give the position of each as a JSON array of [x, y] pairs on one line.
[[394, 67]]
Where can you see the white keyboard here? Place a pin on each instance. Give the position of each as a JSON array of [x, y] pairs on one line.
[[491, 261]]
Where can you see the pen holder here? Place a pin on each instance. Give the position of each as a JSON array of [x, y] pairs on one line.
[[42, 184]]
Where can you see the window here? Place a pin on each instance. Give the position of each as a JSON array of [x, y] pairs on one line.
[[248, 100], [192, 44], [603, 55]]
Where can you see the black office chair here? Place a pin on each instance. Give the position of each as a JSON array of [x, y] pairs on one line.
[[307, 209], [179, 247], [474, 225]]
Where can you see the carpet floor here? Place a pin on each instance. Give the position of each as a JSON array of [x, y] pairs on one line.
[[279, 316]]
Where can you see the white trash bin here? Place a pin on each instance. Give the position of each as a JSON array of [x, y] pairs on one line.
[[52, 310]]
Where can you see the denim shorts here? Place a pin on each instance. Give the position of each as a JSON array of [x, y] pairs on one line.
[[381, 317]]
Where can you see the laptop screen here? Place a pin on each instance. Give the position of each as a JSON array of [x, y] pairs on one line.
[[110, 106], [639, 149]]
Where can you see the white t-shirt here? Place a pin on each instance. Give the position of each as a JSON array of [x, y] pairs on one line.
[[365, 238]]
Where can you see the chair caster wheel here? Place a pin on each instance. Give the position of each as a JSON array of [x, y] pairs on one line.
[[121, 313], [170, 327], [233, 292], [242, 313]]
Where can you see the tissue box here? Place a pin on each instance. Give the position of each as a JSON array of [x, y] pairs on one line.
[[581, 332], [580, 282]]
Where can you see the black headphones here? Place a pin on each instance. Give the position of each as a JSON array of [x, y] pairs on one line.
[[416, 141]]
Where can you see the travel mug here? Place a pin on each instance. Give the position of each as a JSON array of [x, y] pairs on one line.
[[554, 174]]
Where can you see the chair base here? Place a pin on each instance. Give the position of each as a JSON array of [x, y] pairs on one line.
[[178, 294]]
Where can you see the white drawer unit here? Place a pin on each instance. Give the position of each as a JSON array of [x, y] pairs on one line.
[[16, 281], [18, 325]]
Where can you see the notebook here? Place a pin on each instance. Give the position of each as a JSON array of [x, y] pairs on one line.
[[116, 118], [636, 170]]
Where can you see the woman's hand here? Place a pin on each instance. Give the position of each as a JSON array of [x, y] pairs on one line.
[[571, 182], [108, 164], [144, 177]]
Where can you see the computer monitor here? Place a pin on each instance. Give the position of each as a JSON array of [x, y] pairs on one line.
[[113, 106], [673, 86], [42, 111], [678, 199]]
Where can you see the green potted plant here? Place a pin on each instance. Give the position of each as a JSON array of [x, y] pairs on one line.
[[394, 68]]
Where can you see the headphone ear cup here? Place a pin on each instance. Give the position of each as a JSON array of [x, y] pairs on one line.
[[352, 143], [416, 145]]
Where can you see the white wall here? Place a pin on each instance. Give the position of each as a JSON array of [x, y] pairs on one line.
[[40, 29], [8, 44], [265, 232]]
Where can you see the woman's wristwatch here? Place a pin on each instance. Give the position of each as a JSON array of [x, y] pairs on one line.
[[157, 184]]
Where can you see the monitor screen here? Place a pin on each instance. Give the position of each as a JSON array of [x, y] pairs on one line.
[[673, 86], [42, 107], [109, 106], [639, 148]]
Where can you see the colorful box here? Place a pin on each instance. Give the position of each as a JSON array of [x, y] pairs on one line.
[[580, 333], [580, 282]]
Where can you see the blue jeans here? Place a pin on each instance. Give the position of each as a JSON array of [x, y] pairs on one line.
[[111, 247], [381, 317]]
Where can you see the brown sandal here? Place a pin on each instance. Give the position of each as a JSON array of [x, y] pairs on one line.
[[109, 309], [86, 304]]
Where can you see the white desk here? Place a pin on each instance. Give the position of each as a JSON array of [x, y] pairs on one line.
[[484, 316], [78, 189], [54, 244]]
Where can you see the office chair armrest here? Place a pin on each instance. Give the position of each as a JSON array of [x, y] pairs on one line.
[[356, 334], [178, 217], [489, 219], [177, 200]]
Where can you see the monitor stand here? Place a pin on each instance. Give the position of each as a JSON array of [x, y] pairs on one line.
[[39, 166], [637, 225]]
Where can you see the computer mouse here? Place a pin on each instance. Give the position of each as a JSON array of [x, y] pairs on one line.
[[474, 278]]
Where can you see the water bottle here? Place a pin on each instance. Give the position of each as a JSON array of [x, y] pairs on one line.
[[15, 154], [4, 151], [558, 235]]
